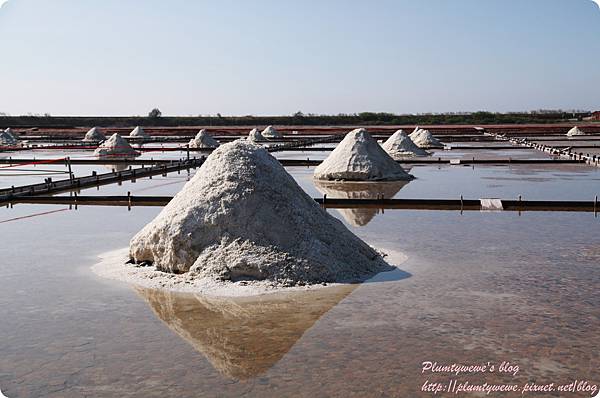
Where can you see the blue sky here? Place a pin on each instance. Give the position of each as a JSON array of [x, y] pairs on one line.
[[265, 57]]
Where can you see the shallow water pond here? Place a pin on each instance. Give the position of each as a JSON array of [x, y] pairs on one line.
[[476, 288]]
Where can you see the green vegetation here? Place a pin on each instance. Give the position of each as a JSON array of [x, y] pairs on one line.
[[371, 118]]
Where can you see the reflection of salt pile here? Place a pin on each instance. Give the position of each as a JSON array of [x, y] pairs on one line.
[[256, 136], [575, 131], [115, 146], [243, 338], [139, 133], [203, 140], [270, 132], [242, 217], [94, 134], [358, 157], [359, 217], [7, 139], [400, 146], [424, 139]]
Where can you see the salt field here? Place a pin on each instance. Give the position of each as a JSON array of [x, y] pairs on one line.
[[514, 289]]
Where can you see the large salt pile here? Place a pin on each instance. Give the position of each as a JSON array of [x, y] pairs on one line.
[[94, 135], [256, 136], [400, 146], [270, 132], [7, 139], [243, 218], [203, 140], [424, 139], [360, 158], [115, 146], [575, 131], [139, 133], [359, 217]]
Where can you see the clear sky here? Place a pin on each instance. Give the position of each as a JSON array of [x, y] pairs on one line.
[[267, 57]]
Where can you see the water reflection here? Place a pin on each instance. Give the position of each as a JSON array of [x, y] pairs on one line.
[[117, 167], [359, 190], [243, 337]]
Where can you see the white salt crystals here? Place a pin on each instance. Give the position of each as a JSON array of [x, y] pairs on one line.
[[400, 146], [115, 146], [243, 218], [358, 157], [203, 140]]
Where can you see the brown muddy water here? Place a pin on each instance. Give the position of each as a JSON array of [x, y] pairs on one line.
[[477, 288]]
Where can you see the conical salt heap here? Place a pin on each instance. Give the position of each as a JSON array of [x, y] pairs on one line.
[[9, 131], [203, 140], [575, 131], [400, 146], [256, 136], [94, 135], [7, 139], [139, 132], [242, 217], [424, 139], [358, 157], [270, 132], [115, 146]]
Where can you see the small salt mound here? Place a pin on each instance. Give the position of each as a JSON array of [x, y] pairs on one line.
[[94, 134], [115, 146], [203, 140], [242, 217], [400, 146], [270, 132], [9, 131], [424, 139], [358, 157], [139, 132], [7, 139], [256, 136], [575, 131], [359, 217]]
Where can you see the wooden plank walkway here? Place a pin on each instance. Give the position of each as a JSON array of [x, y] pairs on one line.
[[71, 184]]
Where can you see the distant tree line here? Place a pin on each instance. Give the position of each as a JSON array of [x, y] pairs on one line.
[[155, 118]]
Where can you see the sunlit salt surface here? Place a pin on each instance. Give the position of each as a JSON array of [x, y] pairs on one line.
[[476, 287]]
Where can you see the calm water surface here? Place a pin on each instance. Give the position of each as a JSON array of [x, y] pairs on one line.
[[479, 287]]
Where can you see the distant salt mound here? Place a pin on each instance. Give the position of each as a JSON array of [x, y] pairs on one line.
[[242, 217], [7, 139], [424, 139], [10, 132], [94, 135], [400, 146], [270, 132], [575, 131], [358, 157], [256, 136], [115, 146], [139, 132], [203, 140]]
